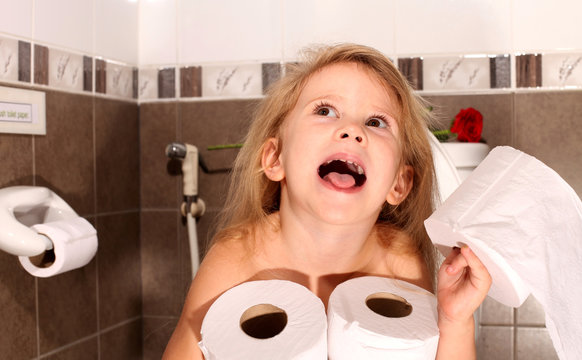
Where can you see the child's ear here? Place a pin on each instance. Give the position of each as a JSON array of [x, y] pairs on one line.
[[402, 185], [271, 160]]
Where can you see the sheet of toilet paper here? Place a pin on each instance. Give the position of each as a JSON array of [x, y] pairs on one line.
[[356, 331], [524, 222], [74, 245], [302, 337]]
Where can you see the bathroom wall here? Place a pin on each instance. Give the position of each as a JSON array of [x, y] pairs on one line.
[[156, 71], [89, 157]]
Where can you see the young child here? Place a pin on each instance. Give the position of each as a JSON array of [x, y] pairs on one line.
[[334, 181]]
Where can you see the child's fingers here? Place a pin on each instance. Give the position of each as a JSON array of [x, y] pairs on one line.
[[478, 270], [454, 262]]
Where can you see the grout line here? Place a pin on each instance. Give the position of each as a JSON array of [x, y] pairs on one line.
[[65, 347], [37, 316], [89, 337]]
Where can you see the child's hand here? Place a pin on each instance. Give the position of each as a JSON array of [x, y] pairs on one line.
[[463, 283]]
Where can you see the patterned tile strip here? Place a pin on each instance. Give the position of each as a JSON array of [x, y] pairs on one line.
[[458, 73]]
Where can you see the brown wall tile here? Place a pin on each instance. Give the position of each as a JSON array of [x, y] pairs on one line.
[[271, 73], [119, 267], [547, 126], [123, 342], [167, 83], [100, 76], [117, 155], [191, 81], [87, 73], [67, 307], [17, 310], [411, 68], [203, 125], [41, 64], [64, 156], [16, 160], [160, 254], [24, 57], [86, 350], [528, 70], [497, 111], [159, 189]]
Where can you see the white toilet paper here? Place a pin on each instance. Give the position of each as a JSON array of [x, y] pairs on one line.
[[297, 330], [525, 224], [74, 245], [356, 331]]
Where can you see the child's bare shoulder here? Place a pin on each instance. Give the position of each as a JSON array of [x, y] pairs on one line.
[[404, 261]]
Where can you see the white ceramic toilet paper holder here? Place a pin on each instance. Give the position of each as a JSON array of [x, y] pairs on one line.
[[24, 206]]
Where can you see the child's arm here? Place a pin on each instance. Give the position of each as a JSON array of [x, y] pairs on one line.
[[218, 272], [463, 283]]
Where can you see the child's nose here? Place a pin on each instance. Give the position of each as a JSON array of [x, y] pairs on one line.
[[351, 132]]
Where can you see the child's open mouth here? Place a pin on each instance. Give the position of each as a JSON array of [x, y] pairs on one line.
[[342, 174]]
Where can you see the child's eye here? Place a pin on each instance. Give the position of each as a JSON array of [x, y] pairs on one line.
[[376, 122], [325, 110]]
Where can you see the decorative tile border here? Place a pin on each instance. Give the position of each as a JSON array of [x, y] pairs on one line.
[[25, 62]]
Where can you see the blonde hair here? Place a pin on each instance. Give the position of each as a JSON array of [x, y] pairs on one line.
[[252, 196]]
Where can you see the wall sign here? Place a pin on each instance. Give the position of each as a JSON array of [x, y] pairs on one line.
[[22, 111]]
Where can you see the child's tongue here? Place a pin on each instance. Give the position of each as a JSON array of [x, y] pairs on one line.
[[342, 181]]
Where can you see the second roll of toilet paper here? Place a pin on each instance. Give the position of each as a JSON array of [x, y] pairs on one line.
[[379, 318]]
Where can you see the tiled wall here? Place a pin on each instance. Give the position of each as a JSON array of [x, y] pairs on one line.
[[111, 167], [90, 157]]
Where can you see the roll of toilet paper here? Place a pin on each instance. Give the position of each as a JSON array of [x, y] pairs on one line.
[[524, 222], [74, 245], [265, 319], [379, 318]]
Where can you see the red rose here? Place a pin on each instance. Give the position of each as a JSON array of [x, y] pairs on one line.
[[468, 125]]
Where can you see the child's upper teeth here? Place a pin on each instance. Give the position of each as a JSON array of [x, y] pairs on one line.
[[355, 167]]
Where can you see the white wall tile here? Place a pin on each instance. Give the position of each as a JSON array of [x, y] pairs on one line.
[[308, 22], [449, 26], [8, 59], [547, 25], [116, 30], [228, 30], [65, 23], [16, 17], [157, 32]]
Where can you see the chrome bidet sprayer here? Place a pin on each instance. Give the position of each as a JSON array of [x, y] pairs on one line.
[[188, 154]]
